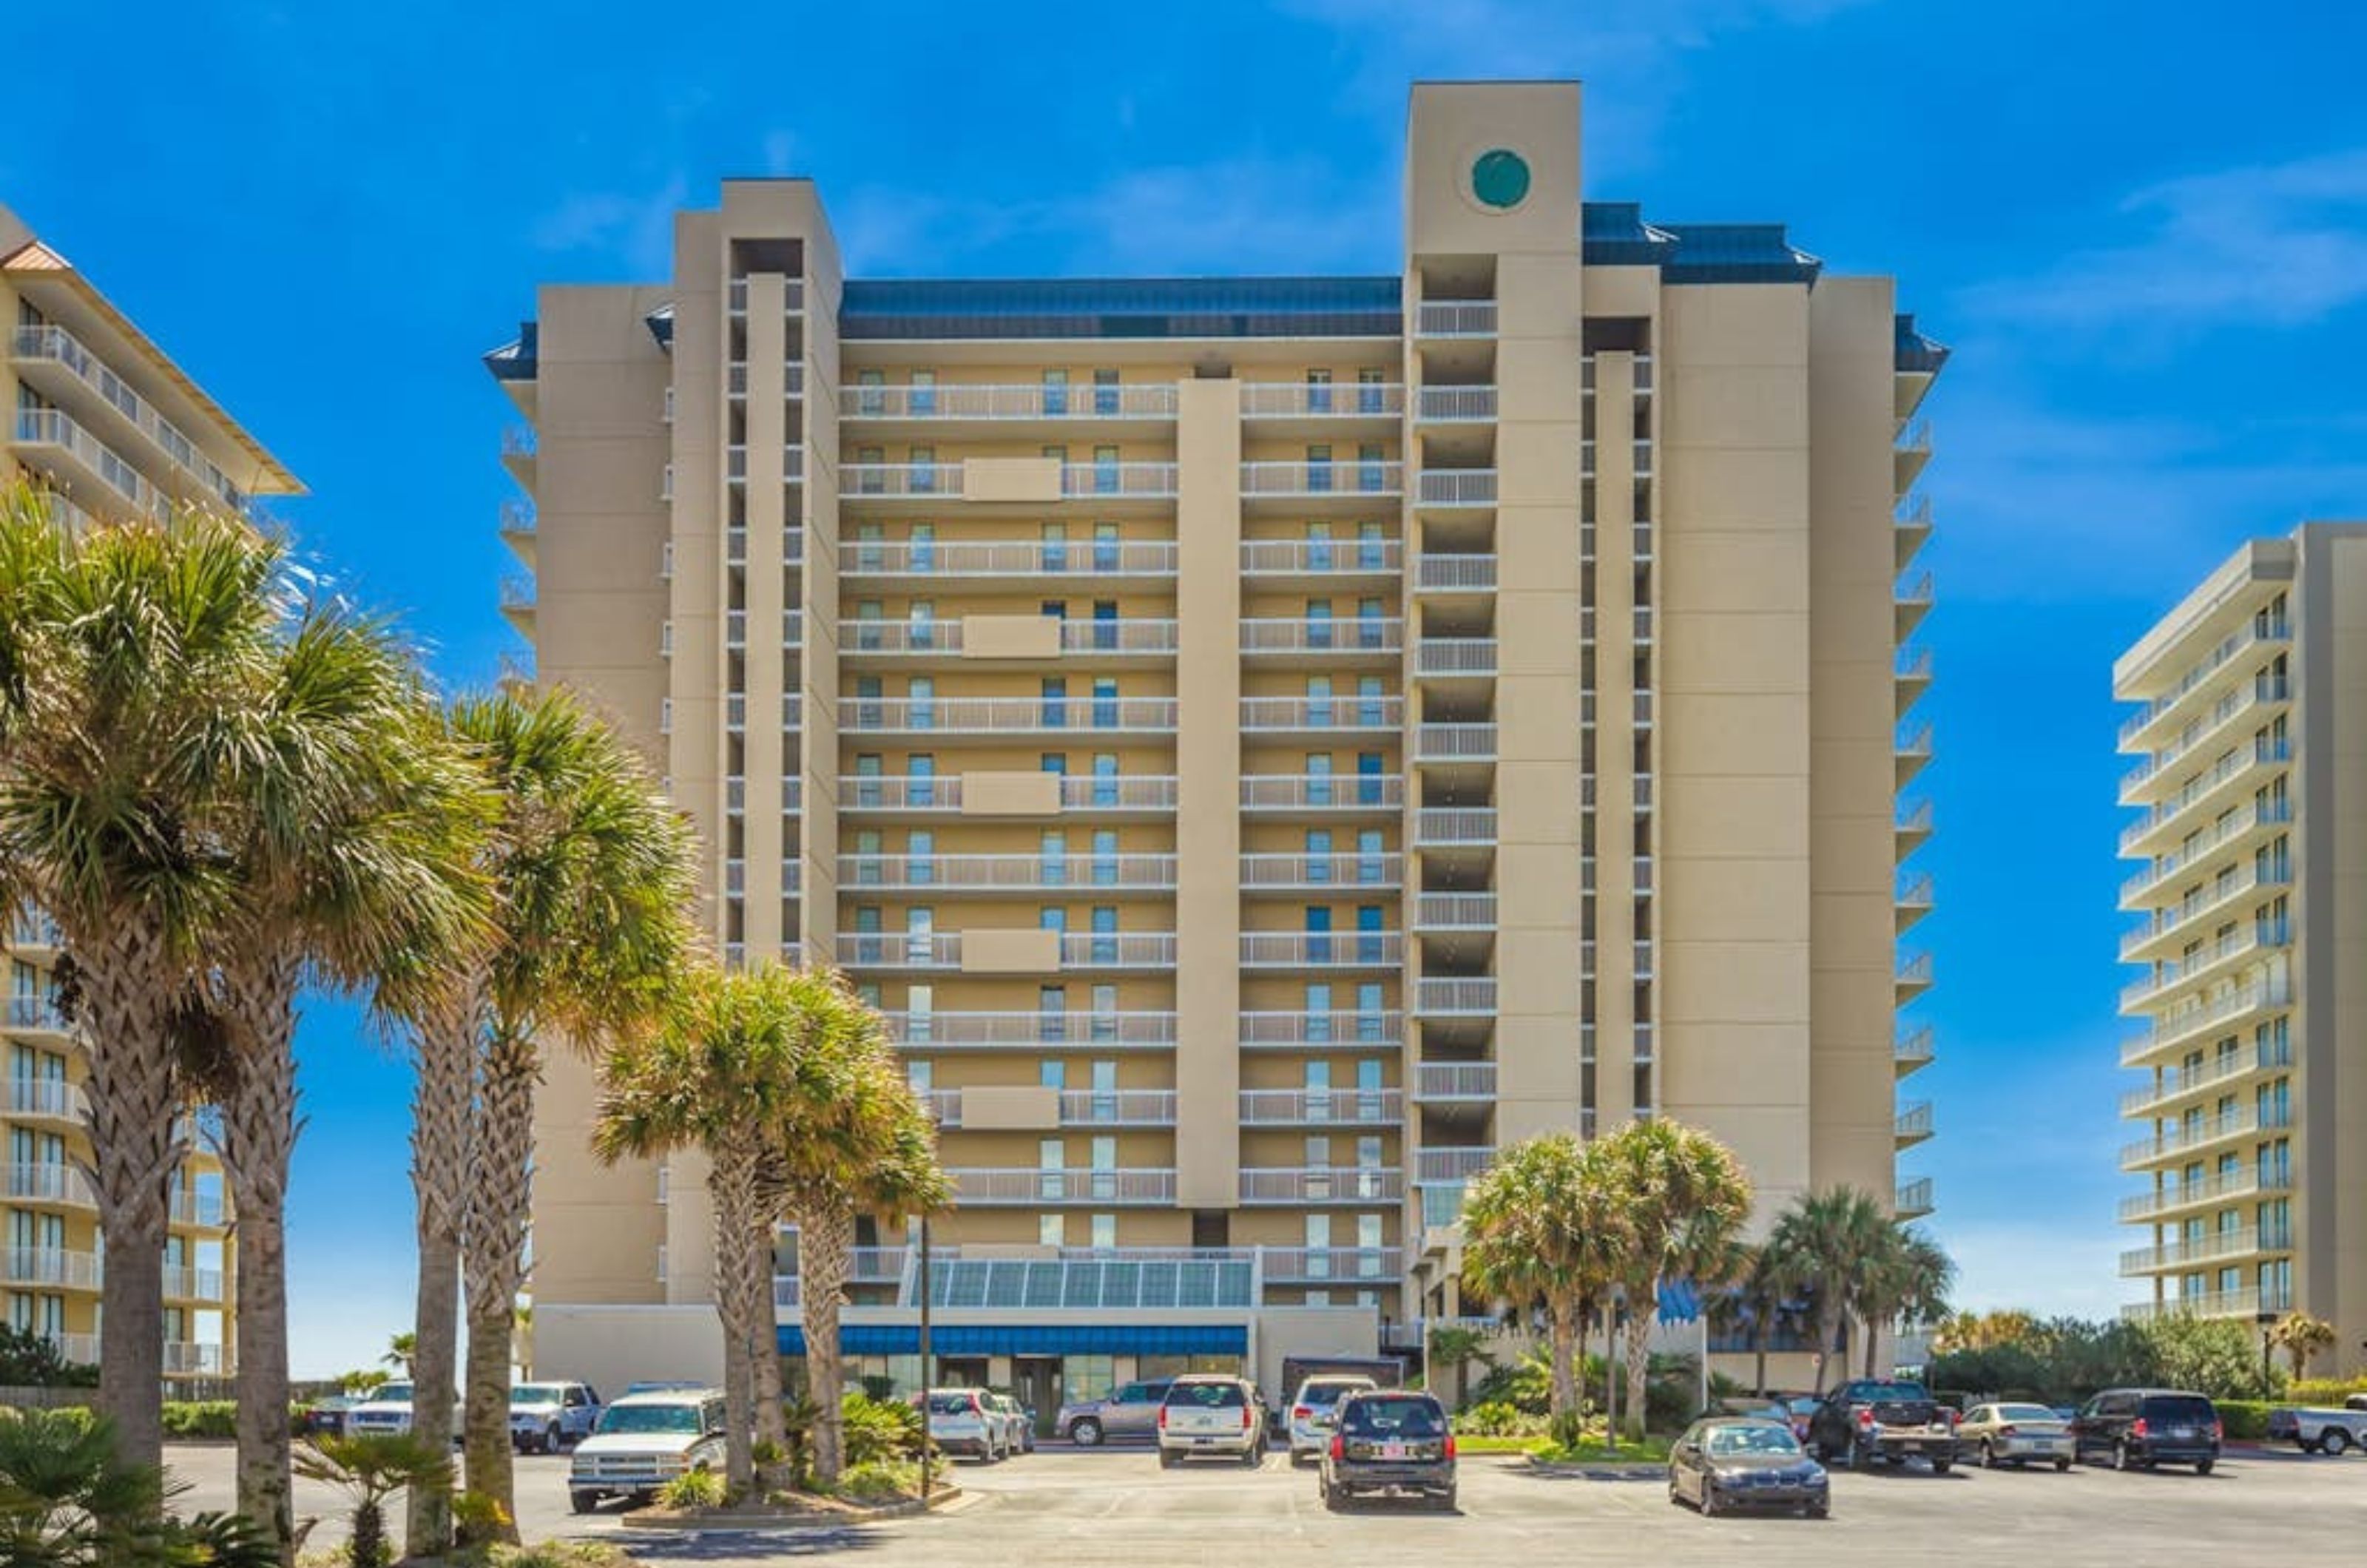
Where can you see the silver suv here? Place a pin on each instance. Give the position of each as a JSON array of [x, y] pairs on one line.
[[1312, 1412], [1130, 1411]]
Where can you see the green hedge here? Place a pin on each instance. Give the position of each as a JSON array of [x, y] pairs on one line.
[[187, 1419], [2245, 1418], [2325, 1393]]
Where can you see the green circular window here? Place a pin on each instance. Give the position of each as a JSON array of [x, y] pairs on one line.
[[1499, 177]]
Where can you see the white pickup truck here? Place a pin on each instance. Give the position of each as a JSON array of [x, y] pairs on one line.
[[2320, 1431], [1211, 1415]]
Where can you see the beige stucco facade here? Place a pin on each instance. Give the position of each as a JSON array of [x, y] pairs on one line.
[[2251, 789], [1265, 743], [99, 417]]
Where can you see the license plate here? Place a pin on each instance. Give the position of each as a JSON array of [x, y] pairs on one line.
[[2181, 1431], [1393, 1450]]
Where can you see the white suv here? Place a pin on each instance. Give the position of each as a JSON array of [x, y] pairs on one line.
[[643, 1441], [1204, 1413], [1311, 1412]]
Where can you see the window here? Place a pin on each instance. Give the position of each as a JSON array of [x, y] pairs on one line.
[[1103, 1020], [1052, 855], [920, 783], [1318, 469], [1319, 854], [1105, 871], [1052, 546], [1318, 778], [1319, 1246], [1371, 468], [1051, 1012], [924, 397], [1051, 1168], [1052, 1073], [925, 460], [1318, 1010], [1056, 393], [1105, 392], [1369, 391], [871, 399], [1106, 707], [1051, 1230], [1105, 789], [1105, 470], [1105, 1232], [1106, 546], [917, 1073], [1053, 694], [1318, 391], [922, 701], [1105, 943]]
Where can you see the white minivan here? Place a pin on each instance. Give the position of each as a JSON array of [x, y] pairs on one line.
[[643, 1441]]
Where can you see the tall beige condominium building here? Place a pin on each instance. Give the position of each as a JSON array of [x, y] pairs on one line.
[[1265, 742], [2252, 903], [100, 416]]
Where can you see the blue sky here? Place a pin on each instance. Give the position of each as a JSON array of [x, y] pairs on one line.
[[2146, 242]]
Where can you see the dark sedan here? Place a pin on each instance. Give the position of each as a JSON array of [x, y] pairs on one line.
[[1730, 1462], [1388, 1440]]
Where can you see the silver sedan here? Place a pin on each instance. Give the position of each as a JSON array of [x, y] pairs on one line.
[[2015, 1435]]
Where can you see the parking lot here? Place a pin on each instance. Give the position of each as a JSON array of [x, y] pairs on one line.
[[1063, 1507]]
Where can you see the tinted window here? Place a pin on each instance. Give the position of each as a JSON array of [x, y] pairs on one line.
[[1330, 1391], [631, 1418], [1751, 1440], [2024, 1412], [952, 1404], [1209, 1395], [2188, 1408], [1411, 1417], [1885, 1392]]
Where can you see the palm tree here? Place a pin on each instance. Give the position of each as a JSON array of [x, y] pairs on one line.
[[1538, 1227], [352, 861], [2302, 1338], [1831, 1237], [369, 1468], [867, 1145], [1765, 1294], [1908, 1280], [133, 660], [402, 1353], [1683, 1200], [591, 875], [69, 1500], [725, 1069], [1455, 1348]]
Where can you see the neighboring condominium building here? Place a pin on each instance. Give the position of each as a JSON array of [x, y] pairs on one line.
[[1265, 743], [2253, 908], [101, 417]]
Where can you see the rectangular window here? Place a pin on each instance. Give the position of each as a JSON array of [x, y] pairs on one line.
[[1052, 546], [1052, 1073], [1051, 1230], [1105, 392], [1318, 469], [924, 397], [1056, 393], [1104, 1233], [1318, 391]]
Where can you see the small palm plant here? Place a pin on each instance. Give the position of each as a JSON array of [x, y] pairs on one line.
[[369, 1468], [68, 1499]]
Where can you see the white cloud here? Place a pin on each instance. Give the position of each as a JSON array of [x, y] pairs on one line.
[[636, 228], [2283, 244]]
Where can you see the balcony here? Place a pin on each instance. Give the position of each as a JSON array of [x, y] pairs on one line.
[[1437, 572], [2173, 1198], [2184, 1139], [1322, 1184], [1913, 1125], [1328, 639], [2176, 1083], [1910, 678], [1458, 996], [2182, 1026], [1913, 978], [2245, 830], [1456, 657], [1325, 794], [941, 405], [1030, 874], [35, 934], [1353, 479], [1453, 488], [939, 481], [1440, 826], [1913, 900], [1912, 1051], [53, 359], [1134, 636], [1321, 1031], [1324, 403], [1349, 873], [942, 795], [1913, 1200], [1912, 753], [1127, 950], [518, 603], [878, 950], [1458, 1164], [188, 1206], [1374, 559], [50, 1182], [2246, 1303], [1455, 404], [1455, 912], [1322, 1108], [1455, 1083], [977, 1188], [1321, 949], [37, 1015], [1008, 716], [2141, 785], [1910, 530], [45, 1099], [992, 1030], [190, 1358], [2230, 777], [1910, 601], [2147, 726], [1912, 830], [2167, 928], [1455, 318], [93, 472], [54, 1268], [1319, 1264], [1909, 456], [2217, 1247], [1455, 743], [1020, 563], [2190, 972], [1350, 716], [1118, 1108], [192, 1284]]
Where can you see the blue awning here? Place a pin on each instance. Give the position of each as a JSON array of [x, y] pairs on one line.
[[1033, 1339]]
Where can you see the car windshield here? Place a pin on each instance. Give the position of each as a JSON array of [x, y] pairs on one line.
[[1410, 1417], [538, 1393], [1751, 1440], [952, 1404], [1209, 1395], [1329, 1392], [2178, 1407], [1886, 1393], [2024, 1412], [634, 1419], [392, 1393]]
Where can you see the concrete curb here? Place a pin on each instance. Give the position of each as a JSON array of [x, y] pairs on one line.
[[747, 1523], [1599, 1470]]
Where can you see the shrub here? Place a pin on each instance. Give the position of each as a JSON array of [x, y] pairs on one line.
[[1497, 1419], [477, 1516], [880, 1481], [187, 1419], [2244, 1417], [2325, 1391], [880, 1431], [693, 1489], [558, 1554]]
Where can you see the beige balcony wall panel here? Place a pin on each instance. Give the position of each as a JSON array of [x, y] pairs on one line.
[[1009, 636], [689, 1229], [1012, 479], [767, 666], [1725, 736], [1010, 1108], [1734, 982], [1207, 766], [1536, 1076], [1763, 899], [1735, 817], [1710, 652], [1756, 572], [1623, 291], [1534, 632], [1851, 391], [1548, 732], [1536, 973], [1452, 123], [1023, 952], [1728, 489]]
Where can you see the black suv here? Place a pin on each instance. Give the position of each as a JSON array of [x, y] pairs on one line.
[[2137, 1429], [1388, 1440]]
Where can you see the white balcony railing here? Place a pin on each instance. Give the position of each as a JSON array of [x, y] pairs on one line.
[[1118, 950], [2236, 764], [2230, 648], [1012, 873], [1322, 634], [2202, 903], [1436, 825], [1458, 487], [1141, 401], [36, 1015], [2176, 973], [1435, 995], [2267, 814], [1117, 1107], [56, 1268], [56, 344], [1298, 1263], [2212, 1247], [50, 1182], [1321, 399], [1447, 573], [1455, 912], [1322, 792], [1319, 557], [955, 1031], [1456, 656], [1006, 558], [2195, 1133], [1070, 1185], [1913, 1123], [1338, 476], [2176, 1083], [994, 715], [1447, 403], [2247, 1303], [1321, 949], [2206, 1193], [1379, 1027], [2183, 1024], [50, 1099], [944, 793], [1455, 742], [1455, 318], [1322, 1184], [1321, 1107], [1459, 1164], [1347, 871], [1455, 1080], [1337, 713]]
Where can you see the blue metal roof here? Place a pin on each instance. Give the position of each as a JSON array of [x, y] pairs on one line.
[[1033, 1339], [1736, 253], [661, 324], [1613, 233], [1914, 352], [1121, 308], [517, 360]]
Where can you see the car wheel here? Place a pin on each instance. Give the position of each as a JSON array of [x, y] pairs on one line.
[[1942, 1466], [2335, 1442], [551, 1439], [1445, 1501], [1085, 1433], [1820, 1510], [1709, 1499], [1989, 1455], [1166, 1460], [2121, 1457], [2202, 1466], [582, 1502], [1250, 1457], [2061, 1465]]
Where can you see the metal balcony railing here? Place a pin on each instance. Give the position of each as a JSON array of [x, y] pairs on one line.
[[1458, 487], [1011, 872], [2200, 1132], [1301, 1263], [2184, 1024], [1019, 402], [2171, 976], [1321, 1107], [955, 1031], [1447, 573], [2208, 1192], [1322, 634], [1117, 1107], [2237, 765], [1339, 476], [1468, 995], [49, 1098], [992, 716], [1321, 399], [1321, 949], [1456, 656], [1455, 742], [1455, 825], [2247, 1303], [2262, 692], [36, 1015], [50, 1182], [1322, 1184], [1913, 1123], [1455, 912], [2184, 859], [1132, 1185], [1454, 1164], [1006, 558], [1455, 318], [56, 344], [1349, 870], [1913, 1199], [1322, 792], [1455, 1080], [2199, 905], [2176, 1083], [1319, 557], [1338, 712], [2213, 664], [1379, 1027], [55, 1268], [1451, 402]]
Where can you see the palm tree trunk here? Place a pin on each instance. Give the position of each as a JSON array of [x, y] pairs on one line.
[[1761, 1327], [129, 983], [1640, 1334], [738, 1288], [1829, 1323], [492, 1253], [1565, 1355], [443, 1096], [1872, 1342], [825, 1253], [258, 1142]]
